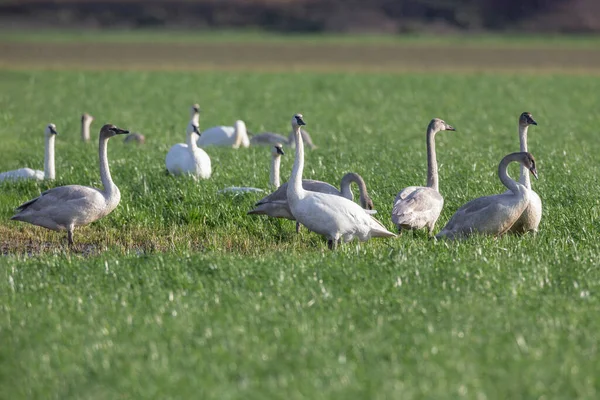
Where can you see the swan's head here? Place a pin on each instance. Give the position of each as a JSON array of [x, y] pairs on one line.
[[195, 109], [277, 150], [110, 130], [86, 118], [298, 120], [529, 162], [437, 125], [50, 130], [193, 128], [367, 203], [526, 119]]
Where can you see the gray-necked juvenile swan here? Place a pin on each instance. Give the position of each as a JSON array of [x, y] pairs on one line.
[[335, 217], [416, 207], [188, 158], [86, 122], [531, 217], [493, 215], [276, 153], [67, 207], [28, 173], [229, 136], [270, 138]]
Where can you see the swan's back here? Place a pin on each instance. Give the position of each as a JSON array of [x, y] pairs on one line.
[[308, 184], [217, 136], [268, 138], [416, 207], [22, 173]]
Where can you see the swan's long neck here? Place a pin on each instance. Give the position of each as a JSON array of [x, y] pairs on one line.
[[274, 176], [239, 136], [85, 129], [506, 180], [192, 141], [110, 189], [347, 191], [432, 167], [295, 189], [524, 177], [49, 171], [195, 117]]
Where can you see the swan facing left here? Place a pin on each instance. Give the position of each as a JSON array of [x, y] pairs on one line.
[[49, 171], [67, 207], [335, 217]]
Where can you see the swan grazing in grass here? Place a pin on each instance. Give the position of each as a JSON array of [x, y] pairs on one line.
[[335, 217], [269, 138], [28, 173], [67, 207], [86, 122], [416, 207], [493, 215], [135, 137], [276, 153], [230, 136], [531, 217], [188, 158]]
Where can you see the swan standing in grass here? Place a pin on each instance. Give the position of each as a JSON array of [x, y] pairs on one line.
[[230, 136], [188, 158], [531, 217], [416, 207], [67, 207], [493, 215], [269, 138], [49, 170], [335, 217], [276, 153], [86, 122]]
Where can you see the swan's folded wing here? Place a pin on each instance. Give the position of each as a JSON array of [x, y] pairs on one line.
[[308, 184], [418, 205], [59, 197]]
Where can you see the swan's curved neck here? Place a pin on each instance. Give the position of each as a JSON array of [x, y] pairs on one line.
[[295, 190], [506, 180], [239, 136], [85, 129], [432, 167], [195, 118], [109, 187], [274, 176], [192, 141], [347, 191], [524, 177], [49, 171]]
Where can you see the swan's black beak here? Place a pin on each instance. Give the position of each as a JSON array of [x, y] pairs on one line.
[[279, 150], [534, 172], [196, 130], [531, 121], [450, 128], [53, 131], [300, 121], [120, 131]]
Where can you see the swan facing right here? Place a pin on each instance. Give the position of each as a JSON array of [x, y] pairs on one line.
[[493, 215], [335, 217], [67, 207], [49, 171]]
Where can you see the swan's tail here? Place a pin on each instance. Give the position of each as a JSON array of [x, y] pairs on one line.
[[384, 233]]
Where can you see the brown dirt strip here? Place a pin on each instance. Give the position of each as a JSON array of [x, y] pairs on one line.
[[275, 57]]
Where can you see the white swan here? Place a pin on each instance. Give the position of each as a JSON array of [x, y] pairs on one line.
[[416, 207], [67, 207], [493, 215], [276, 153], [189, 158], [335, 217], [270, 138], [230, 136], [86, 122], [531, 217], [28, 173]]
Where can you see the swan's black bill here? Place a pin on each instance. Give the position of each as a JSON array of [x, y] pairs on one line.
[[534, 172], [300, 121], [196, 130], [53, 131], [450, 128], [279, 150], [120, 131]]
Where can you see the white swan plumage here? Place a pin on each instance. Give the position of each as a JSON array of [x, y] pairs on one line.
[[188, 158], [229, 136]]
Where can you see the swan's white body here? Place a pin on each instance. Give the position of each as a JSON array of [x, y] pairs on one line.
[[49, 171], [493, 215], [529, 220], [416, 207], [66, 207], [229, 136], [335, 217], [189, 159]]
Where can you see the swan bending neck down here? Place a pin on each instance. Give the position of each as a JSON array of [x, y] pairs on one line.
[[334, 217], [276, 153], [86, 122], [493, 215], [188, 158], [49, 171], [416, 207], [66, 207], [531, 217], [233, 137]]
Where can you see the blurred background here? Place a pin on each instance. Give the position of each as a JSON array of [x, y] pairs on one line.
[[315, 16]]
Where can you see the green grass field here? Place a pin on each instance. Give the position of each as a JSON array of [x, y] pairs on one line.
[[179, 294]]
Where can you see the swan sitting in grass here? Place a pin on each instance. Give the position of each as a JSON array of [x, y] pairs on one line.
[[67, 207], [335, 217], [189, 159], [229, 136], [28, 173]]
